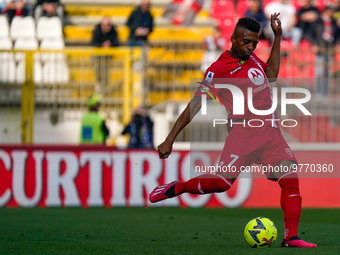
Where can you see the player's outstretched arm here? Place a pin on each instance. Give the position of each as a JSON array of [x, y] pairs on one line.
[[273, 61], [165, 148]]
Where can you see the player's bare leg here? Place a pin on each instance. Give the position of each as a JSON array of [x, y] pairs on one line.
[[291, 205], [203, 184]]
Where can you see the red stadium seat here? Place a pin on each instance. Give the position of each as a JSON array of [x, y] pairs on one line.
[[337, 57], [283, 73], [224, 12], [286, 45], [227, 26], [222, 8], [297, 4], [336, 64], [305, 58], [242, 7], [265, 2], [321, 4], [263, 50], [305, 44], [296, 72], [308, 71]]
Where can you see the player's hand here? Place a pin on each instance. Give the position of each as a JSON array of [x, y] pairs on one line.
[[164, 149], [275, 23]]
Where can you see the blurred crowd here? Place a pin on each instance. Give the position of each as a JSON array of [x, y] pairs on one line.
[[23, 8], [315, 22], [140, 23], [303, 19], [319, 24]]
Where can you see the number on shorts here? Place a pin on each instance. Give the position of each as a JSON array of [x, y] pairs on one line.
[[233, 161]]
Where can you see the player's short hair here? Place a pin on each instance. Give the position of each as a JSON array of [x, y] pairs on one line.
[[249, 24]]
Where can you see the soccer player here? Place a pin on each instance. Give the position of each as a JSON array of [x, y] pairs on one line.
[[244, 145]]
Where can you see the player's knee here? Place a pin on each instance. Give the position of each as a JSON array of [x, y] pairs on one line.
[[288, 176], [283, 169]]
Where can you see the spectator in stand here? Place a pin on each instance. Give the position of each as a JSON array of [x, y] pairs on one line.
[[307, 14], [255, 11], [49, 8], [140, 129], [104, 35], [140, 23], [288, 19], [93, 127], [16, 8], [213, 45], [324, 35]]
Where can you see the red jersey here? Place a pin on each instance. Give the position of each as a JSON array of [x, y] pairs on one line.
[[250, 73]]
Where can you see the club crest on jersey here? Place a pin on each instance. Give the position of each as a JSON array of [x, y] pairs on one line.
[[289, 152], [256, 76], [209, 77]]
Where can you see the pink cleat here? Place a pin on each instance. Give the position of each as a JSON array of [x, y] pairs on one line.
[[163, 192], [297, 243]]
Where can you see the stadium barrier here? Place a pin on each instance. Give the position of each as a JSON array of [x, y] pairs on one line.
[[48, 89], [98, 176], [82, 34]]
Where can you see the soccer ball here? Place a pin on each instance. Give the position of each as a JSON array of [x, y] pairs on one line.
[[260, 233]]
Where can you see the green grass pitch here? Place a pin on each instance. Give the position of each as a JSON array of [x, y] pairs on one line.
[[154, 231]]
